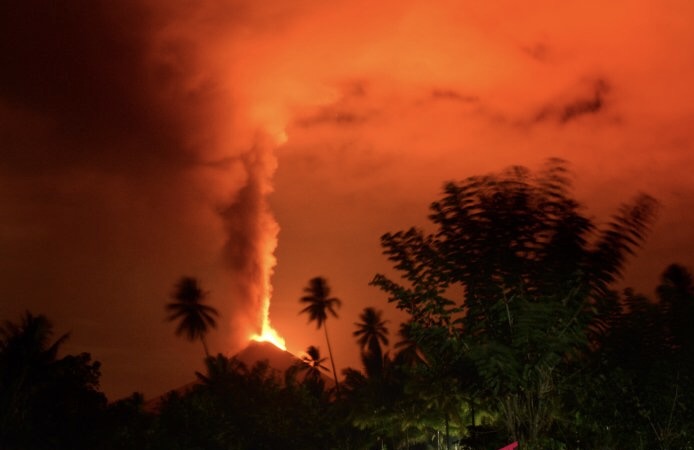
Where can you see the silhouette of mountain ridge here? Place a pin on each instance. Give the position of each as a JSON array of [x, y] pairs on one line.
[[278, 359]]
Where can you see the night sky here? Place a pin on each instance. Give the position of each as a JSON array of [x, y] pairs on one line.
[[145, 140]]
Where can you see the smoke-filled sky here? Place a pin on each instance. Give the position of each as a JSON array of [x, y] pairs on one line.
[[145, 140]]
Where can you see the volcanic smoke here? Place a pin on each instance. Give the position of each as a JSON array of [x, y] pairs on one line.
[[252, 239]]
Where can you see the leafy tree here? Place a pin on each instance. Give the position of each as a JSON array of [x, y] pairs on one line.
[[240, 407], [127, 425], [194, 317], [676, 295], [399, 402], [45, 402], [221, 371], [518, 276], [67, 407], [319, 304], [641, 371]]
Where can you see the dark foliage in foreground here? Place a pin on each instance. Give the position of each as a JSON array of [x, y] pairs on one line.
[[512, 306], [235, 407], [515, 332], [45, 401]]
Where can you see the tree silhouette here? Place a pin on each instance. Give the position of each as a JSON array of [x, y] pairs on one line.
[[26, 353], [407, 350], [221, 371], [319, 305], [640, 393], [676, 294], [45, 402], [312, 363], [519, 276], [371, 333], [193, 316]]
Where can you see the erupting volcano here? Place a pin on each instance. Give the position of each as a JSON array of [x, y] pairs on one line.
[[141, 141], [252, 239]]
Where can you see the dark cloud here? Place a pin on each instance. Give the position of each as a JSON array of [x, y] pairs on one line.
[[354, 107], [451, 94], [113, 163], [583, 106], [571, 106], [332, 116], [103, 90], [539, 51]]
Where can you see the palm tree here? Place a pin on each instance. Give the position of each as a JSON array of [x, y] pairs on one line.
[[371, 333], [319, 304], [408, 352], [26, 358], [193, 316], [312, 364]]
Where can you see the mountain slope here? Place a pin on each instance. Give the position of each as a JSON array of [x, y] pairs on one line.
[[278, 360]]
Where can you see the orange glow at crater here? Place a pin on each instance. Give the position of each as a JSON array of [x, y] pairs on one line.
[[269, 334]]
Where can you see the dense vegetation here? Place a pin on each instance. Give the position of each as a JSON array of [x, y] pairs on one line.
[[515, 332]]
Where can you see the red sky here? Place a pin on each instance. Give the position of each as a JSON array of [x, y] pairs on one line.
[[128, 128]]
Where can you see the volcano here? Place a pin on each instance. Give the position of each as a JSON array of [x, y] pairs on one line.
[[278, 359]]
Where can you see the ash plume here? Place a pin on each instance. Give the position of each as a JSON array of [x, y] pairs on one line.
[[252, 238]]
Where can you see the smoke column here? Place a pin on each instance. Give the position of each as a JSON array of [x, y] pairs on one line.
[[252, 238]]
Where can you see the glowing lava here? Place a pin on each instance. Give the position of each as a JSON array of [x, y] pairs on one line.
[[261, 169], [268, 334]]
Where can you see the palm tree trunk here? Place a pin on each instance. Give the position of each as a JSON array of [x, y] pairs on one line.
[[332, 360], [204, 345]]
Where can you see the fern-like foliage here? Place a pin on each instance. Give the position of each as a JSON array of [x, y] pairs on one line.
[[517, 274]]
